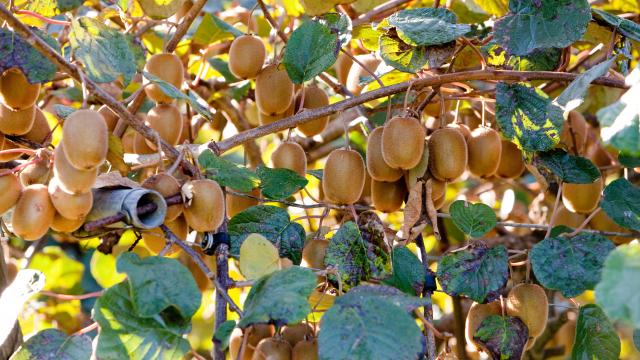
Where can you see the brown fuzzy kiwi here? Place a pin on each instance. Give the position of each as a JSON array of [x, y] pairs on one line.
[[16, 91], [529, 302], [305, 350], [581, 198], [313, 253], [599, 155], [434, 108], [140, 145], [251, 113], [10, 193], [464, 130], [64, 225], [365, 197], [376, 166], [205, 210], [447, 154], [344, 176], [246, 56], [477, 313], [72, 180], [155, 241], [6, 144], [167, 186], [110, 118], [295, 333], [290, 155], [567, 218], [485, 149], [167, 121], [388, 196], [601, 221], [236, 204], [565, 336], [16, 122], [439, 202], [40, 130], [314, 97], [357, 73], [70, 206], [255, 334], [235, 344], [274, 90], [403, 142], [265, 119], [342, 66], [185, 129], [85, 138], [511, 163], [183, 9], [127, 141], [438, 189], [167, 67], [272, 349], [575, 128], [33, 213], [37, 173]]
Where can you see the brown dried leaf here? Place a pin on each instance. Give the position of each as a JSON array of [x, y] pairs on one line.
[[413, 208]]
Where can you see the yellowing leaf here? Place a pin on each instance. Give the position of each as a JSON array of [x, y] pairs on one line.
[[258, 257], [321, 301]]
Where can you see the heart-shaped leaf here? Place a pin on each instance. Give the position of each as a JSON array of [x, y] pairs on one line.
[[596, 337], [504, 337], [279, 183], [53, 344], [474, 220], [621, 201], [227, 173], [569, 168]]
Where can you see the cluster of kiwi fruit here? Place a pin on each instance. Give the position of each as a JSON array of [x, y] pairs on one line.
[[291, 342]]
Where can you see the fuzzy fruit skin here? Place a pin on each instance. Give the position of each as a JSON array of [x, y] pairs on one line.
[[388, 196], [357, 72], [235, 344], [342, 66], [264, 119], [295, 333], [205, 211], [581, 198], [155, 240], [529, 303], [485, 149], [72, 180], [376, 166], [577, 125], [290, 155], [64, 225], [167, 186], [70, 206], [140, 145], [236, 204], [344, 177], [38, 173], [447, 154], [255, 335], [511, 163], [167, 67], [477, 313], [568, 218], [10, 193], [6, 144], [439, 202], [403, 142], [438, 190], [305, 350], [274, 90], [464, 130], [246, 56], [110, 118], [40, 129], [272, 349], [15, 90], [313, 254], [601, 221], [16, 122], [314, 97], [167, 121], [85, 138], [33, 213]]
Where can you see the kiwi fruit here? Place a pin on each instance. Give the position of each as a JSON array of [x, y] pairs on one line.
[[344, 176], [40, 130], [439, 202], [140, 145], [567, 218], [10, 193], [70, 206], [313, 253], [127, 141], [447, 154], [37, 173], [305, 350], [205, 210], [274, 90], [403, 141], [464, 129], [290, 155], [434, 108], [477, 313], [236, 204], [581, 198], [265, 119], [601, 221], [33, 213], [64, 225], [575, 128], [235, 344], [85, 139], [529, 303], [110, 118], [167, 121], [185, 124], [599, 155], [16, 122], [484, 149], [6, 144], [167, 186], [314, 97], [511, 164], [295, 333], [71, 180], [246, 56], [357, 73], [16, 91], [255, 334], [272, 349], [365, 197], [167, 67], [155, 241], [376, 166], [342, 66], [388, 196], [438, 189]]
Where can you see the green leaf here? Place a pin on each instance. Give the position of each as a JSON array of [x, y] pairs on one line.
[[223, 334], [227, 173], [278, 184], [623, 26], [211, 29], [408, 58], [311, 49], [596, 337], [338, 24], [124, 334], [629, 161], [17, 52], [62, 111], [62, 273], [157, 283], [160, 9], [569, 168], [408, 273], [53, 344], [477, 272], [537, 60], [427, 26], [573, 95], [621, 202], [368, 36], [362, 293], [274, 224], [527, 117], [51, 8], [504, 337], [199, 105], [570, 265], [474, 220], [619, 290], [222, 67], [535, 24], [279, 298], [104, 51], [493, 7], [316, 173]]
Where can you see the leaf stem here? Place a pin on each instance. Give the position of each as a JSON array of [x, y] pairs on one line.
[[43, 18]]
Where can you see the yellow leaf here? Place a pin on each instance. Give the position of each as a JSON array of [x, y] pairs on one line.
[[258, 257]]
